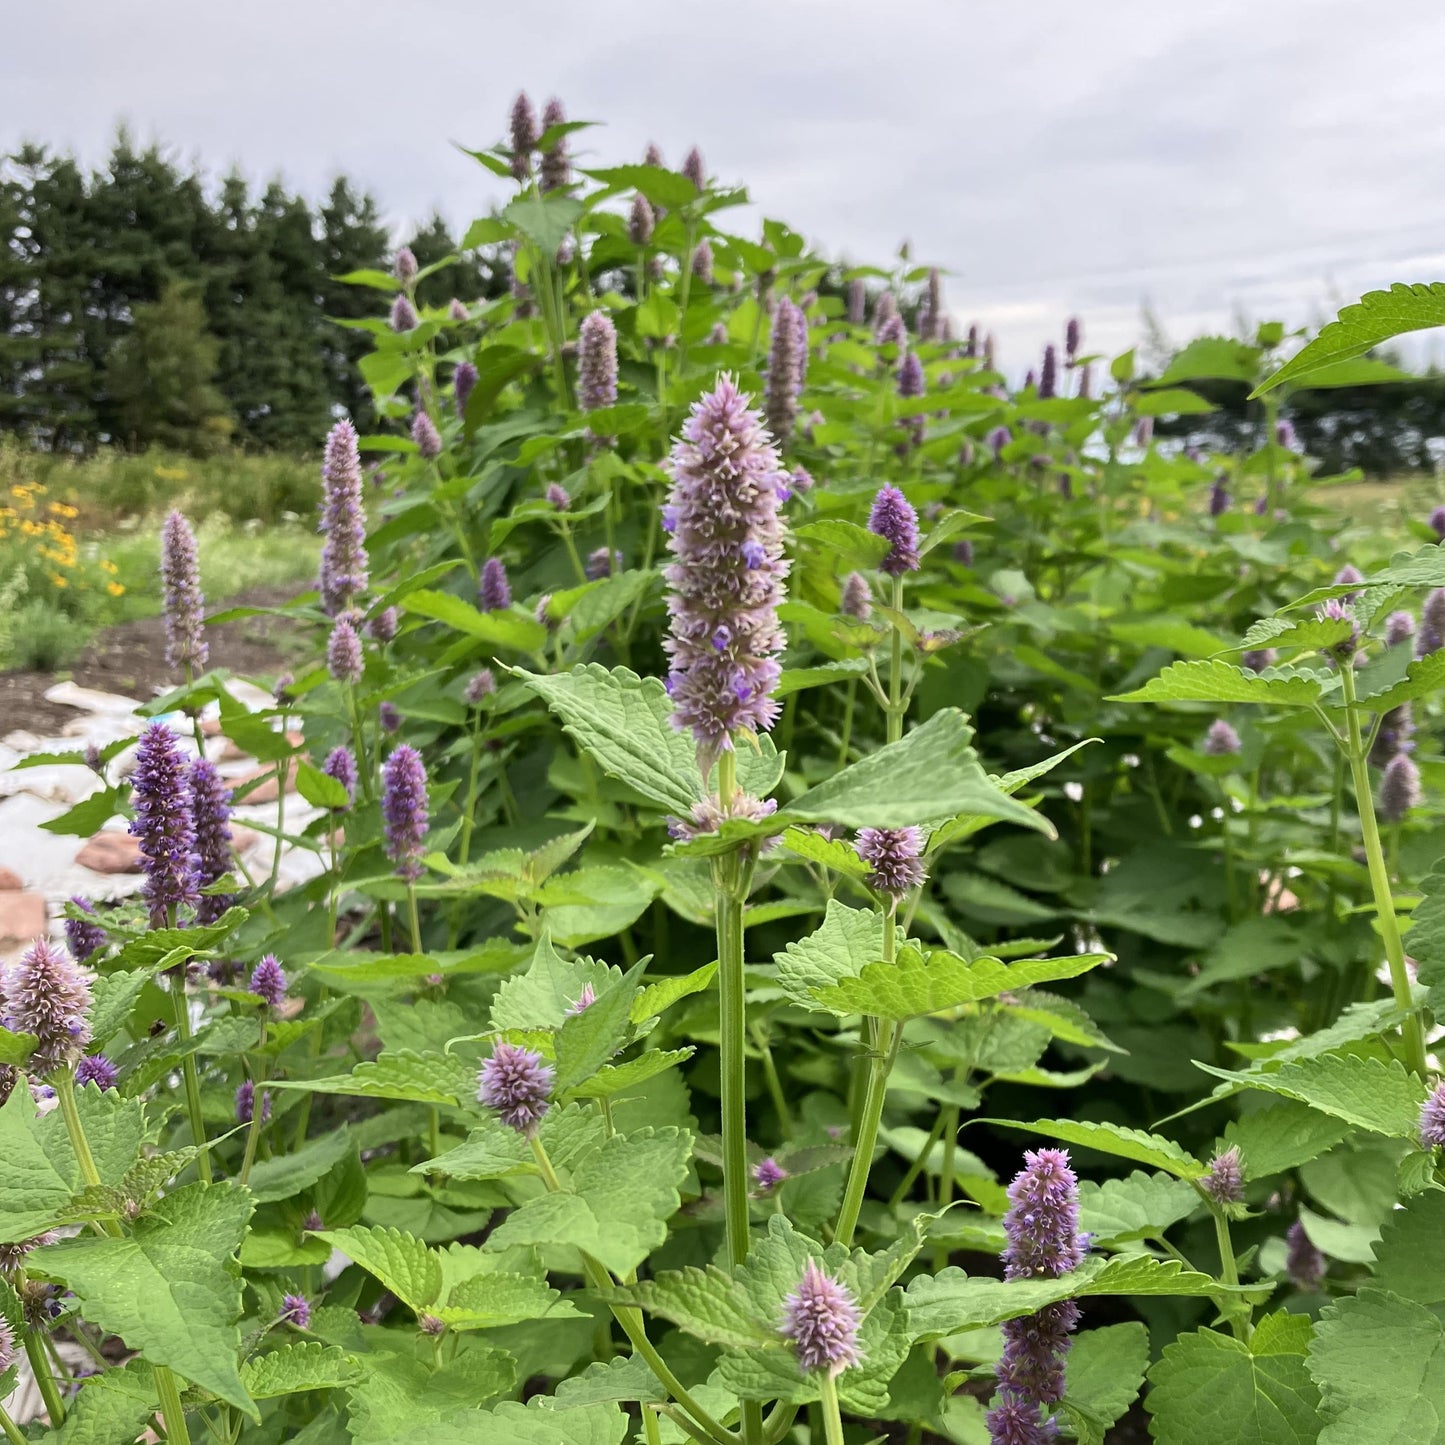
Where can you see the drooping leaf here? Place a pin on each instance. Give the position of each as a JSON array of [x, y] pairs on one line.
[[1210, 680], [308, 1365], [1124, 1143]]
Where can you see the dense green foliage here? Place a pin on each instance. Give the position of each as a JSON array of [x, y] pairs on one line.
[[1139, 936]]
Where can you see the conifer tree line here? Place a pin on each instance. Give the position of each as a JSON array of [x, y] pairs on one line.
[[141, 303]]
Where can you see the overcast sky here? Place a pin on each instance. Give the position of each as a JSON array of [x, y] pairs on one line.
[[1269, 157]]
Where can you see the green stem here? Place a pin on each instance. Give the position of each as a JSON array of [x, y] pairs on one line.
[[172, 1411], [412, 918], [40, 1368], [920, 1162], [832, 1420], [1414, 1033], [572, 552], [1228, 1272], [65, 1093], [650, 1433], [468, 822], [895, 670], [191, 1076], [774, 1082], [880, 1066], [12, 1431], [253, 1129]]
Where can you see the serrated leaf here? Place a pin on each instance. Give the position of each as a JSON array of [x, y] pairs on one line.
[[613, 1079], [1410, 1253], [1210, 680], [537, 1424], [846, 544], [1137, 1206], [110, 1407], [545, 218], [293, 1369], [1210, 358], [396, 1074], [400, 1400], [543, 996], [1124, 1143], [1102, 1377], [1282, 1136], [708, 1303], [624, 1378], [657, 998], [492, 1300], [113, 996], [1424, 677], [405, 1265], [832, 853], [16, 1048], [590, 1036], [320, 789], [846, 942], [283, 1175], [503, 628]]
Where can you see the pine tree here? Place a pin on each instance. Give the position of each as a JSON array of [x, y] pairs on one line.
[[352, 239]]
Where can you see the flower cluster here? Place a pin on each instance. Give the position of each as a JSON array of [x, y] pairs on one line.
[[344, 573], [517, 1083], [894, 859], [893, 519], [48, 995], [183, 605], [211, 815], [404, 809], [164, 824], [821, 1317]]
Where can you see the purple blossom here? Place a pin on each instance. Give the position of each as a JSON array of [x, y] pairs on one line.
[[464, 378], [98, 1070], [1431, 636], [268, 979], [517, 1083], [1437, 522], [389, 716], [702, 261], [183, 603], [1335, 610], [990, 351], [426, 436], [708, 814], [1395, 735], [930, 314], [404, 810], [652, 156], [494, 592], [893, 519], [1304, 1264], [458, 312], [343, 652], [1049, 374], [601, 563], [785, 372], [403, 315], [1221, 739], [894, 859], [161, 798], [47, 994], [341, 765], [970, 342], [1261, 505], [555, 170], [343, 522], [382, 627], [911, 384], [1399, 627], [524, 136], [1144, 431], [1219, 498], [963, 552], [596, 362], [821, 1317], [1224, 1183], [883, 311], [1284, 434], [857, 599], [768, 1174], [1348, 576], [1073, 338], [480, 686], [246, 1103], [1432, 1118], [998, 439], [7, 1345], [211, 813], [857, 301], [1259, 659], [640, 220], [543, 612], [718, 336], [295, 1310], [83, 938], [584, 1000], [558, 497], [725, 475], [693, 169], [404, 267], [1399, 788], [800, 480], [891, 331]]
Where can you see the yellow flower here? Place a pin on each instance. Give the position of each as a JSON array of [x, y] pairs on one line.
[[59, 581], [22, 493], [115, 589], [108, 566]]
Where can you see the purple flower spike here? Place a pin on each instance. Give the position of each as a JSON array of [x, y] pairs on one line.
[[911, 384], [555, 170], [494, 592], [857, 301], [1049, 374], [161, 797], [246, 1103], [211, 813], [404, 268], [268, 979], [184, 606], [426, 436], [1221, 739], [48, 995], [1399, 788], [524, 136], [464, 378], [82, 938], [998, 439], [1073, 338], [857, 600], [295, 1310], [1431, 636], [885, 308], [768, 1175], [343, 652], [725, 475], [1395, 735], [895, 520], [785, 372], [1284, 434], [517, 1083], [894, 859], [1348, 576], [602, 563], [963, 552], [404, 810], [403, 315], [597, 362], [584, 1000], [558, 497], [98, 1070], [640, 220], [1219, 498], [1225, 1181], [702, 261], [480, 687], [891, 331], [930, 314], [344, 573], [1437, 522], [694, 170], [1399, 627], [389, 716], [382, 627], [341, 765], [1432, 1118], [1304, 1264], [457, 312], [821, 1318], [1257, 661], [7, 1345], [1144, 431]]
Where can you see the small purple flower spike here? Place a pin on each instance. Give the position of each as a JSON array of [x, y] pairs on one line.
[[641, 220], [48, 995], [652, 156], [382, 627], [389, 716], [596, 362], [891, 331], [1284, 434], [555, 170], [403, 315], [246, 1103], [857, 301], [494, 593], [525, 135], [82, 938], [708, 815], [1049, 374], [894, 859], [341, 765], [161, 798], [785, 373], [404, 810], [98, 1070], [821, 1318], [268, 979], [893, 519], [1399, 627], [344, 573], [768, 1175], [1437, 522], [404, 267], [584, 1000], [1348, 576], [1399, 788], [295, 1310], [1221, 739], [601, 563], [694, 170], [1219, 498], [1432, 1118], [857, 599], [930, 313], [558, 497], [1073, 338], [1431, 636], [457, 311], [517, 1083], [426, 436], [343, 652], [1144, 431], [183, 604], [1224, 1183], [1395, 735], [998, 439], [211, 814], [963, 552], [1258, 660], [1304, 1264], [702, 261], [464, 378], [480, 687]]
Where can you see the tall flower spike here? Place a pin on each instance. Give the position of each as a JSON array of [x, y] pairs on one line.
[[1049, 374], [727, 577], [464, 378], [211, 814], [98, 1070], [652, 156], [48, 995], [404, 810], [821, 1318], [1073, 337], [1437, 522], [893, 519], [596, 362], [1219, 498], [857, 599], [885, 309], [640, 220], [1399, 627], [911, 384], [555, 170], [930, 320], [341, 765], [382, 627], [857, 301], [702, 261], [894, 859], [517, 1083], [1221, 739], [268, 979], [163, 823], [694, 170], [184, 605], [1225, 1181], [82, 938], [1399, 788], [602, 563], [1304, 1264], [892, 331], [343, 652], [494, 591], [404, 267], [1431, 636], [479, 687], [1432, 1118], [343, 522], [403, 314], [524, 136], [1396, 734], [426, 436], [785, 381]]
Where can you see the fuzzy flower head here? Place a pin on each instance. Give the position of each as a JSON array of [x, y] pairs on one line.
[[404, 267], [1225, 1181], [1284, 434], [480, 686], [702, 261], [857, 301], [389, 716], [1073, 338], [524, 135], [83, 938], [1436, 522], [98, 1070], [164, 823], [268, 979], [464, 378], [1219, 498], [1049, 374], [48, 995], [1221, 739], [768, 1174], [494, 591], [583, 1001], [295, 1310], [211, 814], [596, 362], [555, 170], [1399, 627], [517, 1083], [857, 599], [343, 652], [382, 627], [893, 518], [344, 574], [1348, 576], [726, 579], [1042, 1223], [1431, 636], [558, 497], [404, 809], [1396, 734], [1399, 788], [894, 857], [694, 170], [1258, 660], [785, 371], [1432, 1118], [641, 220], [822, 1318], [403, 315], [708, 814], [998, 439], [601, 563], [183, 603], [1304, 1264], [7, 1345], [246, 1103], [891, 331], [341, 764], [426, 436], [1335, 610]]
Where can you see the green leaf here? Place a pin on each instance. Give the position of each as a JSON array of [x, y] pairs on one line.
[[293, 1369], [708, 1303], [841, 947], [847, 545], [496, 366], [797, 679], [396, 1074], [1375, 317], [625, 1377], [15, 1049], [1209, 1386], [543, 996], [545, 218], [624, 723], [1423, 678], [401, 1401], [537, 1423], [283, 1175], [90, 814], [614, 1078], [171, 1288], [504, 628], [657, 998], [1175, 401], [1379, 1360], [320, 789], [113, 996], [110, 1407], [1282, 1136], [1210, 680], [1137, 1206], [1210, 358], [661, 186], [1410, 1253], [1136, 1144], [1102, 1377], [405, 1265], [587, 1039]]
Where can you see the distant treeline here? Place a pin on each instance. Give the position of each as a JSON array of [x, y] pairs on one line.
[[140, 304]]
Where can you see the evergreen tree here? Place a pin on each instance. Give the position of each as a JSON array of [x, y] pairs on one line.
[[352, 239]]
